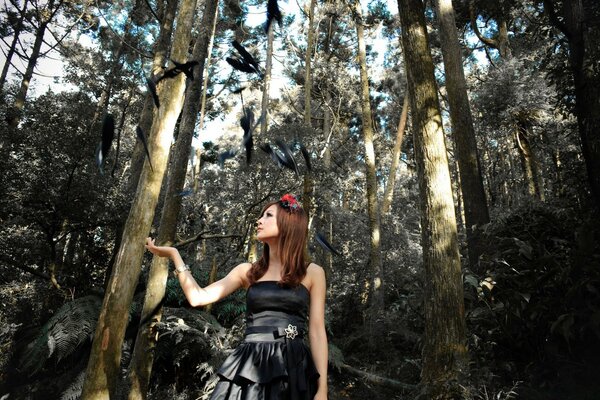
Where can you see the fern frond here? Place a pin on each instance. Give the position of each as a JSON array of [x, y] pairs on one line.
[[72, 325]]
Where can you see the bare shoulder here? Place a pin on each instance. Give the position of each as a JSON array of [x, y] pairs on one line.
[[315, 274]]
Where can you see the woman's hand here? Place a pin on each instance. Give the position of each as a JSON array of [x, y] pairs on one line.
[[161, 251]]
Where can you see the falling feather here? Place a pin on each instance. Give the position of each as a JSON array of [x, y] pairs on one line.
[[246, 56], [273, 12], [225, 156], [240, 65], [142, 137], [306, 156], [152, 87], [325, 244], [288, 158], [108, 134]]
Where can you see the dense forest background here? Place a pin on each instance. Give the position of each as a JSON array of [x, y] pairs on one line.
[[504, 96]]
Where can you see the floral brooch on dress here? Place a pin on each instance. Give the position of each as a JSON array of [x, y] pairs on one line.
[[289, 202]]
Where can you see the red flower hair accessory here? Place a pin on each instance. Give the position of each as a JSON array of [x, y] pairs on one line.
[[289, 202]]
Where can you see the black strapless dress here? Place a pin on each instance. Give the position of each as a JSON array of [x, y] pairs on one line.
[[273, 362]]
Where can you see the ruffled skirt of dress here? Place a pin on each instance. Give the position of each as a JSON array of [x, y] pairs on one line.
[[262, 371]]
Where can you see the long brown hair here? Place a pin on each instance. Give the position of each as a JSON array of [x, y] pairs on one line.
[[293, 231]]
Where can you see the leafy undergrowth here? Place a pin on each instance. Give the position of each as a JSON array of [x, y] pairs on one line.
[[532, 307]]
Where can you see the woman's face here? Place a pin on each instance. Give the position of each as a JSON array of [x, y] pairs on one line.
[[267, 224]]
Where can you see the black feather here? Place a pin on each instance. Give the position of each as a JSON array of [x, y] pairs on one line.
[[239, 90], [306, 156], [273, 12], [240, 65], [288, 158], [152, 87], [325, 244], [108, 134], [142, 137], [187, 68], [274, 156], [225, 156], [246, 56], [247, 121]]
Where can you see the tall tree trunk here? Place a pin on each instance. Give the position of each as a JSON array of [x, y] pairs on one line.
[[198, 153], [444, 349], [471, 182], [376, 303], [307, 64], [264, 123], [308, 186], [141, 362], [577, 26], [13, 45], [161, 48], [389, 188], [103, 368]]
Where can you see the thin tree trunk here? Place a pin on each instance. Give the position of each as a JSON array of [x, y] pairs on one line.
[[17, 110], [308, 186], [307, 64], [141, 362], [198, 153], [463, 132], [376, 302], [212, 278], [529, 163], [389, 189], [264, 123], [102, 373], [13, 45], [444, 348]]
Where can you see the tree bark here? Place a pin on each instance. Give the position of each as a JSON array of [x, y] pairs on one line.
[[13, 45], [578, 27], [529, 163], [161, 48], [389, 188], [307, 64], [463, 132], [264, 123], [444, 349], [376, 293], [143, 353], [103, 368]]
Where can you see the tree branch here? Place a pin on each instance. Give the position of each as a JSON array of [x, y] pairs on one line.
[[378, 380], [489, 42]]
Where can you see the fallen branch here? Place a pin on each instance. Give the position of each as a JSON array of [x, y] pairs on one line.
[[378, 380]]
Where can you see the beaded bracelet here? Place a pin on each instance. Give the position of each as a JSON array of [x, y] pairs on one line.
[[180, 270]]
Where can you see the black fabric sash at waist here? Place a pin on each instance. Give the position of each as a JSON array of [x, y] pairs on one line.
[[289, 332]]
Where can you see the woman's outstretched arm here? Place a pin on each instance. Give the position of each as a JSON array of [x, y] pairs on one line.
[[196, 295], [316, 329]]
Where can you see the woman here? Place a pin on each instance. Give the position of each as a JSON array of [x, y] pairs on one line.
[[273, 361]]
